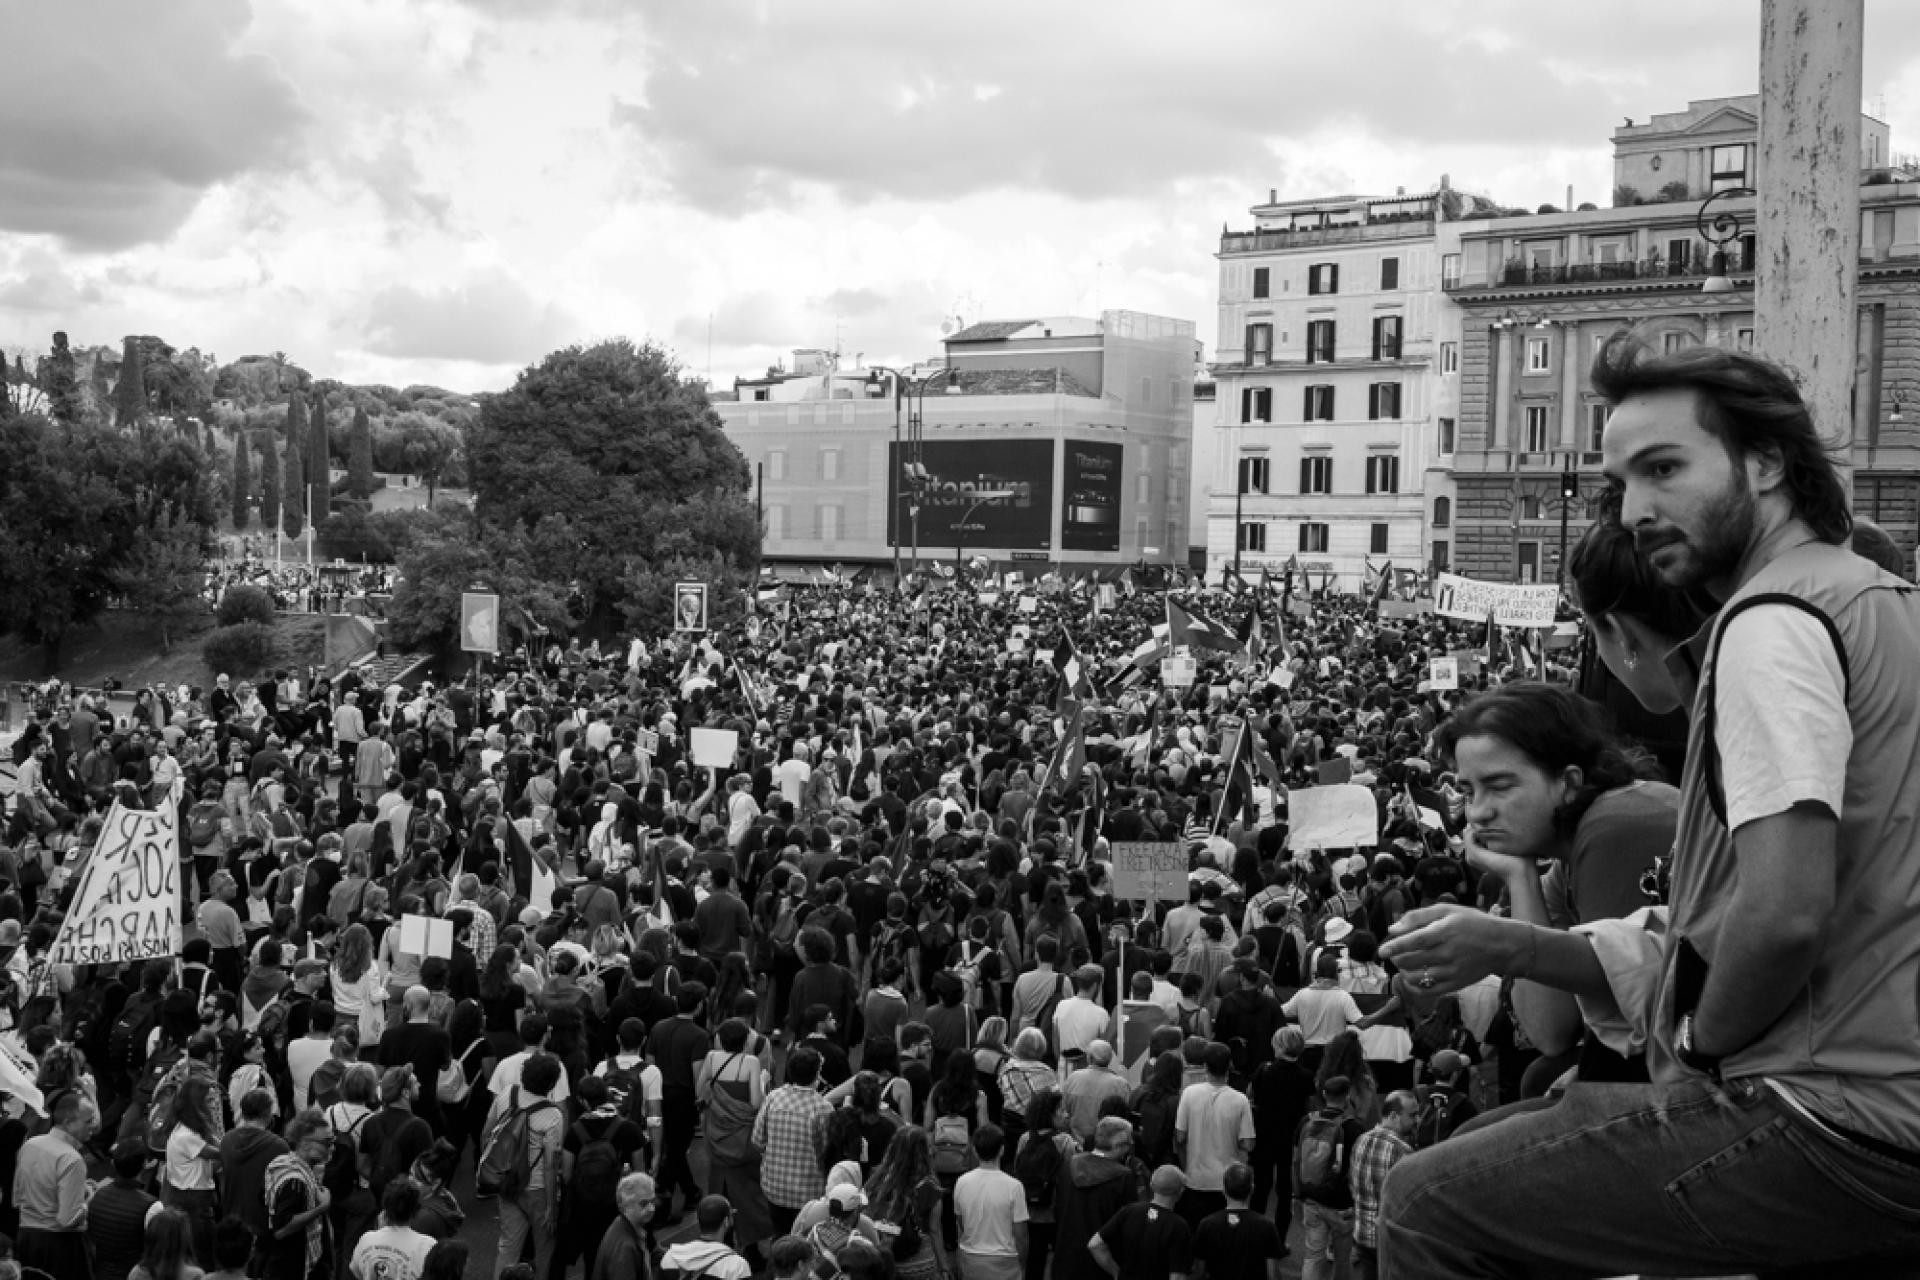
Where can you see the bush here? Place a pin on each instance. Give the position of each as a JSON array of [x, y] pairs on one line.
[[245, 603], [241, 651]]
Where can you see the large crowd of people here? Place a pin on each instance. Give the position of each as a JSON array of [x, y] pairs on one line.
[[298, 587], [868, 996]]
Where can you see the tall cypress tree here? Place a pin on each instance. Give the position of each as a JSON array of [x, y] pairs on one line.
[[360, 456], [130, 393], [319, 461], [242, 480], [269, 481], [293, 493]]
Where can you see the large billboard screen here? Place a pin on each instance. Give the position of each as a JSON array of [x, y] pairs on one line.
[[1090, 507], [959, 474]]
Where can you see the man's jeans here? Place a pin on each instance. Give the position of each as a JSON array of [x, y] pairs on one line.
[[1696, 1179], [523, 1220], [1326, 1242]]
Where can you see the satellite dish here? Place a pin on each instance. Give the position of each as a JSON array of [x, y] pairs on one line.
[[946, 327]]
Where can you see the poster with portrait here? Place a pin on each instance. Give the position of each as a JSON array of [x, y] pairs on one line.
[[689, 606], [479, 622]]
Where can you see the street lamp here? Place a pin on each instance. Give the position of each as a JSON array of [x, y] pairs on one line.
[[960, 529], [912, 393], [1720, 230]]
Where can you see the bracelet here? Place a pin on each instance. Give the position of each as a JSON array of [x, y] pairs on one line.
[[1533, 951]]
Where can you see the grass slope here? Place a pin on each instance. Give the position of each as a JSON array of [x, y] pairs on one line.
[[125, 647]]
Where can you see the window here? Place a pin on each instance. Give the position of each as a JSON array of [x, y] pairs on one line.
[[1253, 475], [1383, 401], [776, 464], [1323, 277], [1253, 537], [1672, 342], [1743, 339], [1442, 512], [1319, 404], [1449, 357], [1442, 557], [1377, 541], [1536, 438], [1449, 270], [1596, 426], [1529, 506], [1319, 341], [1389, 273], [1383, 473], [1729, 166], [1446, 436], [762, 394], [1143, 488], [1539, 356], [1256, 404], [829, 464], [829, 518], [776, 522], [1316, 475], [1259, 343], [1386, 337], [1313, 537], [1260, 282], [1679, 256], [1748, 250], [1543, 253]]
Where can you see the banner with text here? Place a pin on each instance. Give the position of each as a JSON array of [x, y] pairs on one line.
[[128, 904], [1149, 871], [1512, 604]]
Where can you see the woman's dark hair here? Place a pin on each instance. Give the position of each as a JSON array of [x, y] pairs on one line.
[[1611, 577], [1043, 1109], [1750, 405], [958, 1090], [1556, 729], [1166, 1076]]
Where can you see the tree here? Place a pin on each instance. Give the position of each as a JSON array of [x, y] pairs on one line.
[[242, 481], [459, 557], [428, 450], [616, 463], [62, 383], [130, 392], [269, 483], [319, 461], [293, 491], [164, 573], [360, 456]]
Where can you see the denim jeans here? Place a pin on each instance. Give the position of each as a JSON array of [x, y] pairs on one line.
[[524, 1221], [1326, 1242], [1689, 1179]]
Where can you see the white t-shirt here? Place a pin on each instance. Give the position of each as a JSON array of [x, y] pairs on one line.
[[1077, 1023], [792, 776], [391, 1253], [507, 1075], [1323, 1012], [989, 1203], [1780, 715], [304, 1057], [1216, 1119], [186, 1171]]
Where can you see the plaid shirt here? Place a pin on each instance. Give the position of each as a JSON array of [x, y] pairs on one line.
[[787, 1133], [1374, 1155]]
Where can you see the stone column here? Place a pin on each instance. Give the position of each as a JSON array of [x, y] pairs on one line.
[[1808, 177]]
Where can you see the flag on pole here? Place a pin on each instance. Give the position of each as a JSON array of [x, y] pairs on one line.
[[660, 915], [1429, 808], [1234, 583], [1070, 754], [1190, 629], [1380, 586], [1072, 669], [1126, 582], [1497, 655], [531, 879]]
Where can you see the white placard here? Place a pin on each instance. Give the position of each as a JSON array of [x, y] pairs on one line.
[[426, 936], [1029, 604], [1178, 672], [128, 904], [1144, 870], [1016, 644], [1336, 817], [1443, 673], [648, 741], [715, 748], [1281, 676], [1512, 604], [989, 598], [1043, 655]]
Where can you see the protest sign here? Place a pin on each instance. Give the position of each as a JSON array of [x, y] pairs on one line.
[[1178, 672], [1512, 604], [1280, 677], [479, 622], [1043, 655], [715, 748], [127, 906], [1104, 597], [989, 598], [648, 741], [1339, 817], [1443, 673], [1016, 644], [1335, 771], [1466, 661], [1029, 604], [426, 936], [1390, 609], [1149, 871]]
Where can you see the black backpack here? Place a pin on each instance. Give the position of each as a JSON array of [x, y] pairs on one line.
[[1038, 1167], [1045, 1021], [342, 1174], [127, 1042], [597, 1167]]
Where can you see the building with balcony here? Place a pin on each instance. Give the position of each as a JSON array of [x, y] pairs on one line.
[[1060, 441], [1537, 295], [1324, 382]]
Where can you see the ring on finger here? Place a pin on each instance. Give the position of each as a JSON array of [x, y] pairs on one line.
[[1426, 978]]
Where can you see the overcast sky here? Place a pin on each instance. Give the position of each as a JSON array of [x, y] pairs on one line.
[[442, 191]]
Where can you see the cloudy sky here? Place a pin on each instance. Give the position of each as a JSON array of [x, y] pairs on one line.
[[443, 190]]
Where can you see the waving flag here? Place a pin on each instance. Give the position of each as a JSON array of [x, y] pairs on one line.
[[1070, 755], [1189, 629], [531, 879]]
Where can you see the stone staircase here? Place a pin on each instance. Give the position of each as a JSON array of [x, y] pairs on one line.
[[401, 668]]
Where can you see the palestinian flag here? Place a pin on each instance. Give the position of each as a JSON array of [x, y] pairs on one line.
[[530, 878], [1380, 585], [1070, 755], [1234, 583], [1072, 669], [1191, 630]]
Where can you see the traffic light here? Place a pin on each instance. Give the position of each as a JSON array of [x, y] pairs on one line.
[[1569, 484]]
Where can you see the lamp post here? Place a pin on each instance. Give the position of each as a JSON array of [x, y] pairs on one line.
[[874, 390], [916, 439], [1719, 231], [1569, 490], [960, 529]]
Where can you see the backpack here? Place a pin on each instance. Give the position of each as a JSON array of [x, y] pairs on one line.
[[1438, 1116], [41, 1005], [1188, 1019], [597, 1167], [506, 1158], [453, 1087], [127, 1042], [1038, 1167], [936, 931], [1045, 1021], [970, 968], [626, 1089], [952, 1146], [786, 927], [1159, 1114], [341, 1177], [1322, 1157], [203, 825], [152, 1104]]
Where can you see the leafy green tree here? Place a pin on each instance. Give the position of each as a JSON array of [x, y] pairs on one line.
[[242, 482], [269, 482], [319, 461], [293, 489], [460, 557], [360, 456], [164, 573], [618, 464], [130, 392], [62, 383], [428, 449]]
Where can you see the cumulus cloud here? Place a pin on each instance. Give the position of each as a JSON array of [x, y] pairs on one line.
[[120, 114], [488, 318]]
